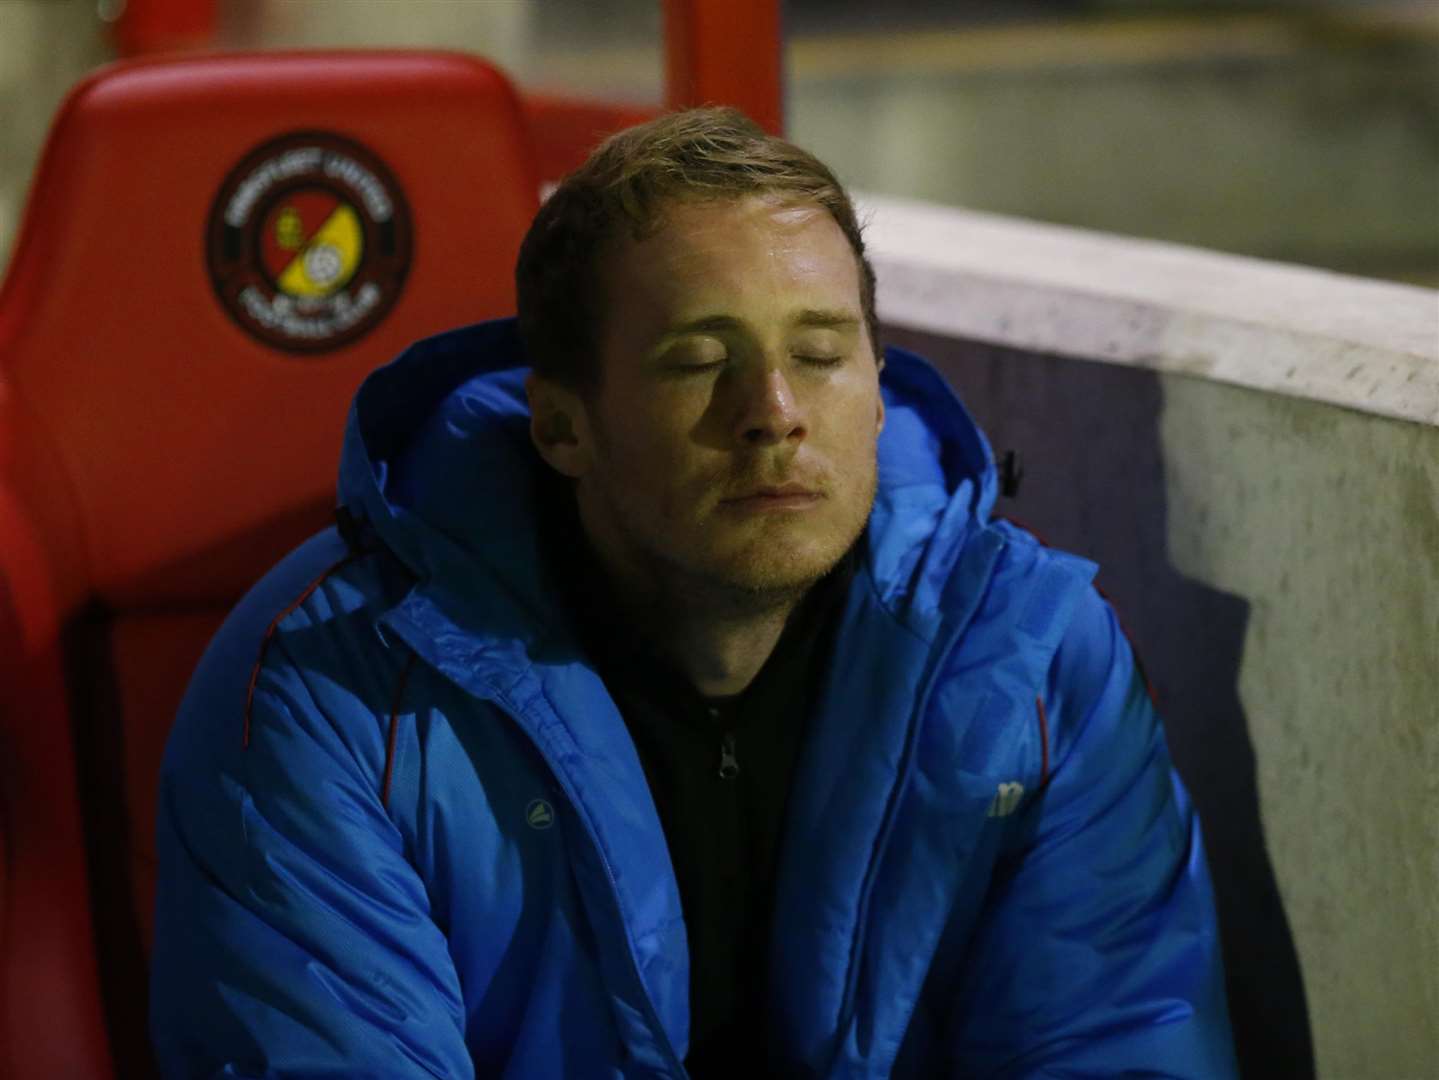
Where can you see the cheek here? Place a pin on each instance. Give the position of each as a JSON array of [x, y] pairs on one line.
[[648, 466], [853, 425]]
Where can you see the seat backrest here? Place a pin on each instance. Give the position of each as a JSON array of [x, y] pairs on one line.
[[215, 252]]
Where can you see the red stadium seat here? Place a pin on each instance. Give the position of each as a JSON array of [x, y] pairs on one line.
[[215, 251]]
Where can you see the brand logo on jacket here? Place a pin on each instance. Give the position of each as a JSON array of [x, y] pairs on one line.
[[308, 242], [1006, 799], [539, 814]]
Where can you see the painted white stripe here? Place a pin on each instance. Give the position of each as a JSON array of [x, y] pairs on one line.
[[1350, 341]]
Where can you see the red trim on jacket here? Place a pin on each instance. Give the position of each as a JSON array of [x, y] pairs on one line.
[[394, 726], [270, 633], [1134, 649], [1123, 629]]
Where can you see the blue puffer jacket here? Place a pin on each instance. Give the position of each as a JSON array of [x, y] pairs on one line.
[[405, 833]]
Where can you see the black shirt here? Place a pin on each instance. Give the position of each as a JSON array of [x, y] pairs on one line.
[[719, 770]]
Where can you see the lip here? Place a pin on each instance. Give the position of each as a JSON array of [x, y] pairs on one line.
[[780, 497]]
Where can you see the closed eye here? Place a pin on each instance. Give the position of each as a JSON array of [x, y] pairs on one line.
[[695, 369], [821, 361]]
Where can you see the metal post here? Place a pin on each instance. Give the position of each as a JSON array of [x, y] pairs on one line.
[[725, 52]]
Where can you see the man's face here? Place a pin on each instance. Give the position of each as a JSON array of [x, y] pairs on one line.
[[733, 438]]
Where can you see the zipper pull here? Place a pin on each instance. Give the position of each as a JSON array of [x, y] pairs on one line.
[[729, 764]]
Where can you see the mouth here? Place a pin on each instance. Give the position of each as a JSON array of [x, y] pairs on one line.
[[775, 497]]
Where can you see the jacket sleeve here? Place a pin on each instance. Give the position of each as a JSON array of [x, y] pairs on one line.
[[293, 936], [1097, 954]]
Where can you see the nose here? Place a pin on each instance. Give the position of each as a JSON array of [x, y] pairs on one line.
[[769, 412]]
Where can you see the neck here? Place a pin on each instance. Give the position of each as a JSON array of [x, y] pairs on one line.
[[716, 635], [719, 654]]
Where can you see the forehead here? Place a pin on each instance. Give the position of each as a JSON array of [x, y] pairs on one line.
[[756, 253]]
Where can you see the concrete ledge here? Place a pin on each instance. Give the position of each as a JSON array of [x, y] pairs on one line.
[[1311, 334]]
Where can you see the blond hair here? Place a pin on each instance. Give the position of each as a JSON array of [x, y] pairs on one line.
[[709, 153]]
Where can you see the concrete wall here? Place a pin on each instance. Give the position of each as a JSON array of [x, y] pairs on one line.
[[1302, 132], [1274, 552], [1327, 521]]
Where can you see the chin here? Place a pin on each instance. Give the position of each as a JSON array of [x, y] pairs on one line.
[[762, 578], [770, 568]]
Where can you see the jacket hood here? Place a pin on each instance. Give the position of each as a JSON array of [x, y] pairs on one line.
[[437, 458]]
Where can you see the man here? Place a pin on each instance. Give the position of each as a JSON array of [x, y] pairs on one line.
[[667, 700]]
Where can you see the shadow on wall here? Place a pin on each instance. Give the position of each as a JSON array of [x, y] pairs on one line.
[[1088, 437]]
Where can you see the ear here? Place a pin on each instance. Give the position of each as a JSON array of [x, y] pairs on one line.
[[559, 426]]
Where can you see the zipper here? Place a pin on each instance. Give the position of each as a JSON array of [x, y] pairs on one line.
[[728, 764]]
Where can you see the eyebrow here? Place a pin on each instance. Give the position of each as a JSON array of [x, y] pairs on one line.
[[809, 317]]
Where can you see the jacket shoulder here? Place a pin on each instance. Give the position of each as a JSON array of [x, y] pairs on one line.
[[309, 625], [1024, 602], [1085, 667]]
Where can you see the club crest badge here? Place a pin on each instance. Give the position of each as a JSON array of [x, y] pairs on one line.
[[309, 242]]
